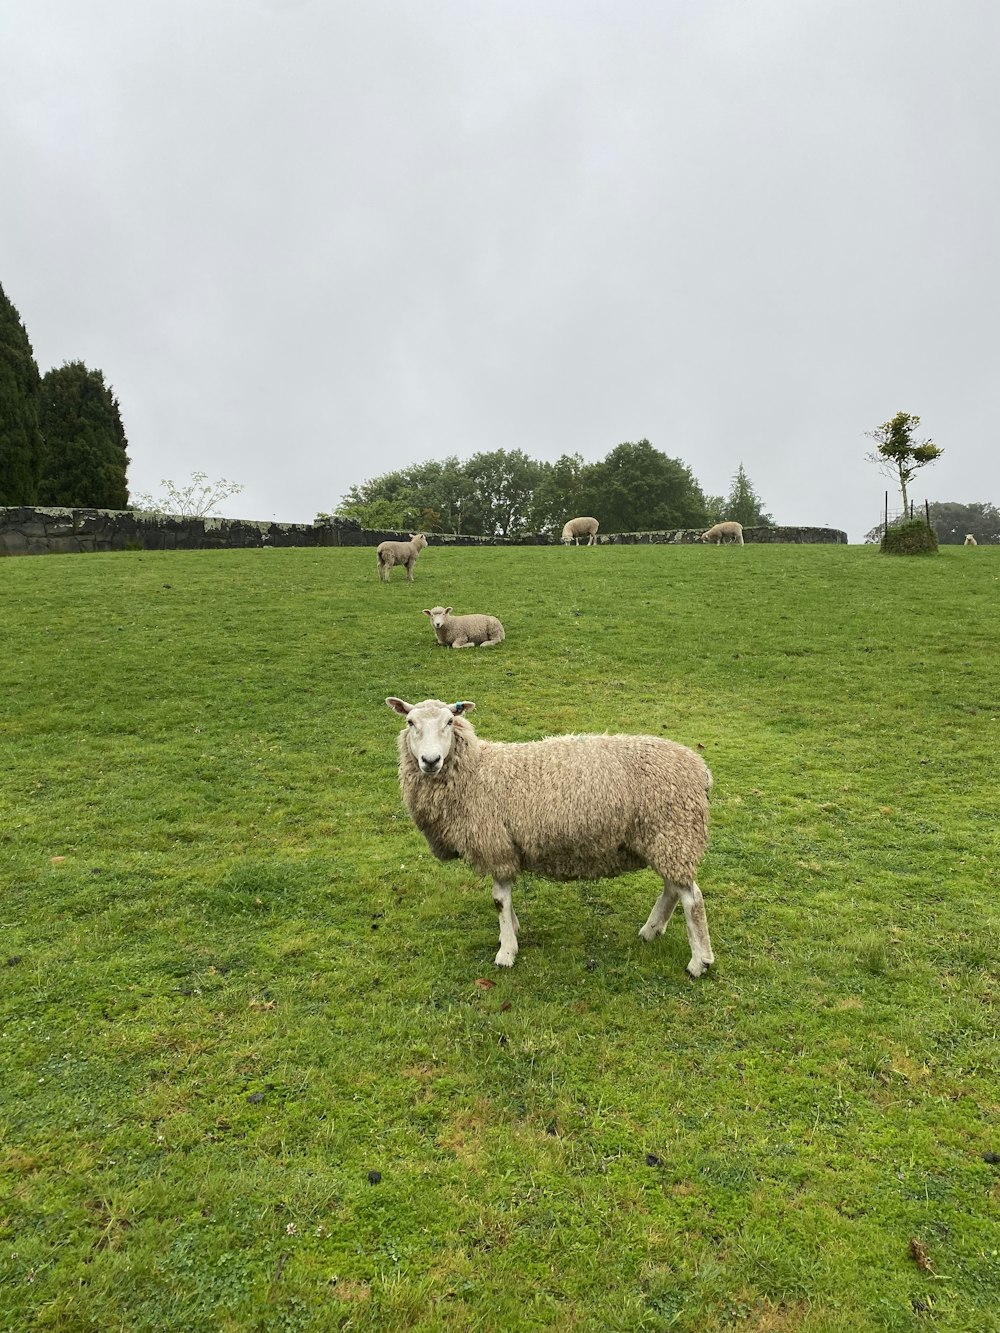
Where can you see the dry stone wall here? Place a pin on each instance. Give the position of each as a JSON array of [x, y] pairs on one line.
[[31, 531]]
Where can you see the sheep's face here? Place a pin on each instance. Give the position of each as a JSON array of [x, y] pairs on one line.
[[438, 615], [429, 730]]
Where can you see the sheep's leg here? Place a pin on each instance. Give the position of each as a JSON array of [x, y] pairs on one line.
[[662, 911], [490, 643], [697, 928], [409, 570], [509, 926], [462, 642]]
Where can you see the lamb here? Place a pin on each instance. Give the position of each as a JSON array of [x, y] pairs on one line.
[[465, 631], [576, 528], [399, 553], [728, 533], [970, 540], [568, 807]]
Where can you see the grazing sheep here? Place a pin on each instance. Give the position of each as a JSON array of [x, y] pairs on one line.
[[728, 533], [465, 631], [970, 540], [569, 807], [399, 553], [580, 527]]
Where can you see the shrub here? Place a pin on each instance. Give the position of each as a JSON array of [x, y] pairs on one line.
[[913, 537]]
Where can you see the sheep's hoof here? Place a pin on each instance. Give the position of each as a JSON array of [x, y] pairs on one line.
[[505, 958], [696, 969], [650, 933]]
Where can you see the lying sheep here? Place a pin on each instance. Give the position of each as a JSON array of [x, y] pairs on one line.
[[465, 631], [580, 527], [970, 540], [399, 553], [569, 807], [728, 533]]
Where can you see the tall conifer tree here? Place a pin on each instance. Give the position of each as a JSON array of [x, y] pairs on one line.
[[20, 437], [85, 460]]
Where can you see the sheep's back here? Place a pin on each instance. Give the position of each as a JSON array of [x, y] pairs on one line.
[[592, 806]]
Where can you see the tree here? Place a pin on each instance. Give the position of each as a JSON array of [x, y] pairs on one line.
[[503, 483], [639, 489], [743, 505], [195, 500], [899, 454], [20, 436], [953, 521], [559, 494], [84, 460]]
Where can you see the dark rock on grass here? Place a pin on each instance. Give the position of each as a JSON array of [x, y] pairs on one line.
[[653, 1160], [255, 1098], [374, 1177]]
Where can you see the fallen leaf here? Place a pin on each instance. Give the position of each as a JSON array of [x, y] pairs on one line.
[[919, 1254], [54, 860], [505, 1006], [485, 982]]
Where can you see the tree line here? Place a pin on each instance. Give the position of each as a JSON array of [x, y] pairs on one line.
[[61, 436], [504, 493]]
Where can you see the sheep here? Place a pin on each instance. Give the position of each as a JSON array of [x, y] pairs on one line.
[[399, 553], [728, 533], [465, 631], [576, 528], [970, 540], [568, 807]]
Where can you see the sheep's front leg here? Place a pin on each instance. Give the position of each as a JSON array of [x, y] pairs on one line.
[[462, 642], [509, 925]]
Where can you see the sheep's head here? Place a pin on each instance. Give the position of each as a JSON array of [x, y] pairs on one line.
[[429, 730], [438, 615], [419, 540]]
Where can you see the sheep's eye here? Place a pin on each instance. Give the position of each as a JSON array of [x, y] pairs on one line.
[[410, 722], [451, 722]]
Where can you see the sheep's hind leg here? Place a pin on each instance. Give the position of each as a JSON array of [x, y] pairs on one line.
[[509, 925], [697, 928], [662, 911]]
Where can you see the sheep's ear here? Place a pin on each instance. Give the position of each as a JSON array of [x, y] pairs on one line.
[[447, 610], [426, 612], [399, 705], [463, 706]]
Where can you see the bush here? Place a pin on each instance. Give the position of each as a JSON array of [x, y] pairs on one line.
[[913, 537]]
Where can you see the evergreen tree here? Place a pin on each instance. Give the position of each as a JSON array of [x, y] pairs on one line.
[[20, 437], [744, 505], [85, 461]]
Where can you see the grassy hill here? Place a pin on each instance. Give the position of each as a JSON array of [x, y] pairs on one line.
[[234, 982]]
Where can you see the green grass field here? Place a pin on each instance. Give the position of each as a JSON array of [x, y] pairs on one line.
[[234, 982]]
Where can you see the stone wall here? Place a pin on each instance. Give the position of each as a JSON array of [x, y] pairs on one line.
[[28, 531]]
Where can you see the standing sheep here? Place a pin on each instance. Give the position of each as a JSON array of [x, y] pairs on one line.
[[465, 631], [399, 553], [728, 533], [569, 807], [580, 527], [970, 540]]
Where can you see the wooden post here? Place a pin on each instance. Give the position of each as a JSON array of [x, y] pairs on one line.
[[927, 511], [886, 528]]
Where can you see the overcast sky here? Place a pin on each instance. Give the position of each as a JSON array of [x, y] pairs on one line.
[[308, 242]]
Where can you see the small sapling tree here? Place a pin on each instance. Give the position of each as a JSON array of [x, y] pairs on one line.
[[195, 500], [899, 453]]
